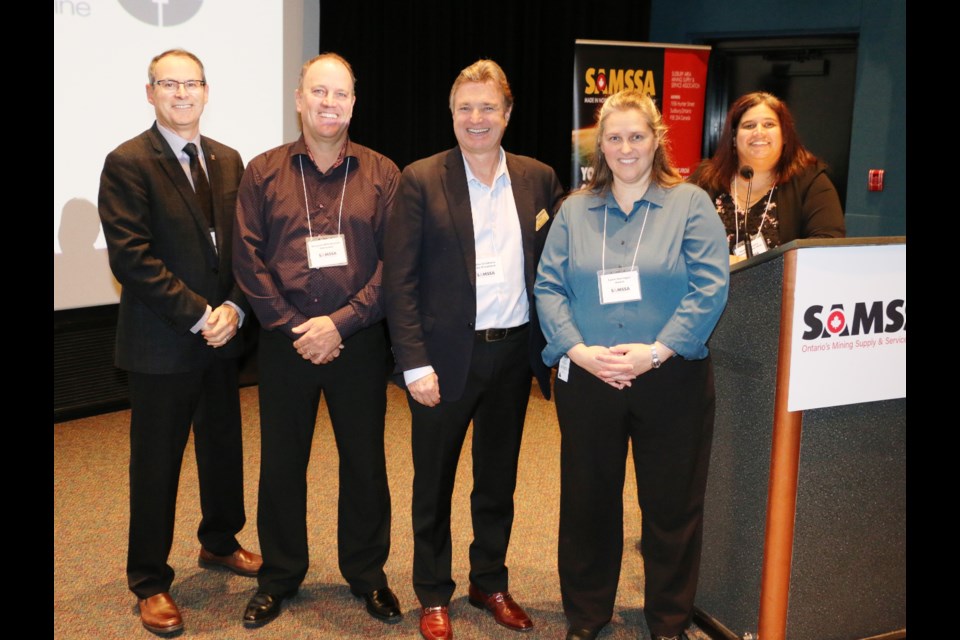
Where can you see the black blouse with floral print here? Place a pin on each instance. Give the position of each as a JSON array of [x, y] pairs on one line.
[[762, 215]]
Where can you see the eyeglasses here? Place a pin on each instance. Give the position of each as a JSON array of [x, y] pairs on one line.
[[171, 86]]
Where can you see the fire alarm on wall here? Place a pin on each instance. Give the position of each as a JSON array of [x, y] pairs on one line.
[[875, 180]]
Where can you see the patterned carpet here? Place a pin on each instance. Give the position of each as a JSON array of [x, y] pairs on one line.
[[91, 599]]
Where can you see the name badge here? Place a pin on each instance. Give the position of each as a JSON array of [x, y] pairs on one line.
[[542, 218], [563, 371], [489, 270], [619, 285], [758, 243], [326, 251]]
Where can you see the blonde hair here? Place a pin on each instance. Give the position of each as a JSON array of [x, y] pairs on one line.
[[662, 171], [484, 71]]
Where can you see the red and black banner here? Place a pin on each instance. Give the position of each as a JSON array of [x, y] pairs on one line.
[[675, 76]]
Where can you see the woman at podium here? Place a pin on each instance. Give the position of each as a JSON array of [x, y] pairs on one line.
[[632, 281], [766, 186]]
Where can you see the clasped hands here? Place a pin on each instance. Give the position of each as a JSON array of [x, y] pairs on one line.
[[319, 340], [620, 364], [222, 324]]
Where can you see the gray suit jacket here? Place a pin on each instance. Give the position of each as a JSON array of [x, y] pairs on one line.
[[162, 254], [429, 267]]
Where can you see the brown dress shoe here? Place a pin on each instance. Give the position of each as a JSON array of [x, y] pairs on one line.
[[241, 561], [505, 611], [159, 614], [435, 624]]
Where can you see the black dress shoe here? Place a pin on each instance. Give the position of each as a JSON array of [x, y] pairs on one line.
[[582, 633], [382, 604], [261, 609]]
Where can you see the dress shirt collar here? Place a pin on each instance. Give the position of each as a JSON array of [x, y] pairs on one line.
[[177, 143], [501, 174], [655, 195], [300, 148]]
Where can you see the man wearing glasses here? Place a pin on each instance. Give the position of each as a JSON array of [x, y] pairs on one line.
[[310, 224], [167, 200]]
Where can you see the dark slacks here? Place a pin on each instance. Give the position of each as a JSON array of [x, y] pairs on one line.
[[163, 406], [355, 388], [668, 416], [495, 398]]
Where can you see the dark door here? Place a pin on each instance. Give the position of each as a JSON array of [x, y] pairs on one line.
[[814, 75]]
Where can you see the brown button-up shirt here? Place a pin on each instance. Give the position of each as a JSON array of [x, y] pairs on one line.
[[280, 188]]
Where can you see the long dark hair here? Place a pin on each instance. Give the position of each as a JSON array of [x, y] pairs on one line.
[[719, 171]]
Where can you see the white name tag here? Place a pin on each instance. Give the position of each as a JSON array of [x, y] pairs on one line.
[[619, 285], [563, 371], [758, 243], [326, 251], [489, 270]]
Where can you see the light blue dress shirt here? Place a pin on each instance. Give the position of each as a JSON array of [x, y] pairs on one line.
[[682, 260], [177, 143], [496, 233]]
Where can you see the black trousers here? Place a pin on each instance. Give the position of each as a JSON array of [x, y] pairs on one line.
[[163, 406], [355, 388], [495, 398], [668, 417]]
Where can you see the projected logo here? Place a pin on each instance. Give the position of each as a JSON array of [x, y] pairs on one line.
[[162, 13]]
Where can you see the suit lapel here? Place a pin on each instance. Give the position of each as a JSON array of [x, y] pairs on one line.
[[526, 212], [215, 177], [454, 179], [172, 167]]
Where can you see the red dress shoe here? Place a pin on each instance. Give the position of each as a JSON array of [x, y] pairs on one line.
[[241, 561], [505, 611], [435, 624], [159, 614]]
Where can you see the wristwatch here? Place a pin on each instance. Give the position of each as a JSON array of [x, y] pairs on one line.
[[654, 358]]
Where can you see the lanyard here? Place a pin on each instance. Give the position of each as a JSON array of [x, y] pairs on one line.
[[306, 201], [603, 241], [746, 209]]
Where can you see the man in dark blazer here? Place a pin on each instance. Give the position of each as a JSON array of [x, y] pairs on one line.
[[461, 252], [167, 202]]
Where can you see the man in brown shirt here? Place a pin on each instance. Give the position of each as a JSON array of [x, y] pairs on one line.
[[309, 236]]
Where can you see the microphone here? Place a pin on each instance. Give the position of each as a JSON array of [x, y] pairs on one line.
[[746, 172]]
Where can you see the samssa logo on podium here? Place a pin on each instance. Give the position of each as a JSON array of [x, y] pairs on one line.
[[869, 318], [162, 13]]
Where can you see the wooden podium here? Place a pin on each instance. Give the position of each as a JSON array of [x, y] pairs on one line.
[[805, 522]]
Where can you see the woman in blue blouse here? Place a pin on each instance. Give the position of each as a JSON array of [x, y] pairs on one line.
[[632, 281]]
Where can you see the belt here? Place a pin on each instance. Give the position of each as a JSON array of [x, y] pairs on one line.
[[496, 335]]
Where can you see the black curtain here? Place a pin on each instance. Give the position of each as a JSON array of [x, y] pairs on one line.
[[406, 54]]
